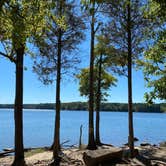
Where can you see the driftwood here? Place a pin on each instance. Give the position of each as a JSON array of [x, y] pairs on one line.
[[51, 147], [158, 162], [104, 144], [7, 149], [80, 139], [71, 146], [10, 150], [96, 157], [64, 142], [6, 152]]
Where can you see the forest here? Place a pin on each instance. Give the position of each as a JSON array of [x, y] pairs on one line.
[[83, 106], [124, 35]]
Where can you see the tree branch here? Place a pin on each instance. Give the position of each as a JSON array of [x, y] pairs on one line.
[[7, 56], [159, 68], [98, 26]]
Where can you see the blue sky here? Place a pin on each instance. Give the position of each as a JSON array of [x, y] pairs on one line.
[[36, 92]]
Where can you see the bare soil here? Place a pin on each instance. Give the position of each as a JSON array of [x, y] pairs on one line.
[[153, 155]]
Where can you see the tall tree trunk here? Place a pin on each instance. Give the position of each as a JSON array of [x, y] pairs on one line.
[[18, 110], [98, 102], [56, 147], [91, 140], [130, 111]]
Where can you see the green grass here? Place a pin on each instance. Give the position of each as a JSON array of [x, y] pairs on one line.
[[33, 152]]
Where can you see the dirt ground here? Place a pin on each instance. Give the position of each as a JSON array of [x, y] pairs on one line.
[[73, 157]]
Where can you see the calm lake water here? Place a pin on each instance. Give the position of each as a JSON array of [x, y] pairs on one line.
[[39, 127]]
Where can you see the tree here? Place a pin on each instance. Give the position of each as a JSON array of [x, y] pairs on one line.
[[57, 55], [129, 60], [103, 52], [106, 79], [102, 82], [126, 28], [91, 8], [20, 21], [98, 100], [56, 147], [45, 62]]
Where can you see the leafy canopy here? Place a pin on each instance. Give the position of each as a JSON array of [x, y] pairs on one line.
[[45, 63], [21, 19], [154, 62], [107, 81]]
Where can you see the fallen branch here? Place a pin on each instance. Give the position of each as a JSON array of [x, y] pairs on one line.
[[71, 146], [101, 144], [10, 150], [6, 152], [156, 162], [51, 147], [65, 142]]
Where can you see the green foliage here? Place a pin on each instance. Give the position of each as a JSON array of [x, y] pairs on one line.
[[155, 73], [103, 45], [93, 8], [156, 9], [22, 20], [34, 151], [117, 30], [45, 63], [107, 81], [154, 62], [112, 58]]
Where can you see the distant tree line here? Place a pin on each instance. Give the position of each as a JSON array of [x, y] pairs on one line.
[[108, 107]]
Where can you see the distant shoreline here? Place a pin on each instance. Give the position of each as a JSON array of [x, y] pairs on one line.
[[52, 110], [105, 107]]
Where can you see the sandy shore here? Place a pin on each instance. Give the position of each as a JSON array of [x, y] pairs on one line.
[[73, 157]]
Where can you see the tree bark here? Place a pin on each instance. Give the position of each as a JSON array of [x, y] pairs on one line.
[[98, 102], [130, 111], [91, 140], [18, 109], [56, 146]]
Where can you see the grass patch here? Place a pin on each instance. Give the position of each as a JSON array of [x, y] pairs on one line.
[[163, 144], [34, 151]]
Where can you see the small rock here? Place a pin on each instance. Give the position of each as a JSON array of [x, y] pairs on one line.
[[126, 144], [145, 144], [136, 139], [154, 145]]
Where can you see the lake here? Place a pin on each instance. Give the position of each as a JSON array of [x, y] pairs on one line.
[[39, 127]]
